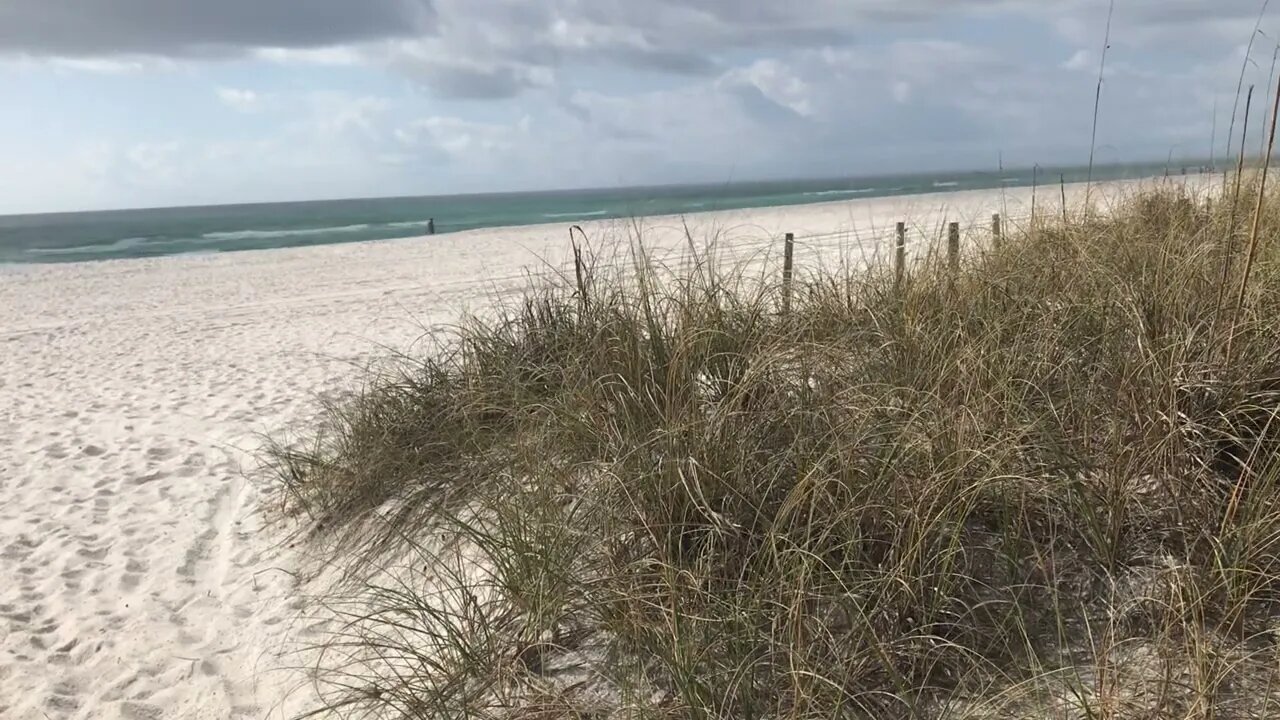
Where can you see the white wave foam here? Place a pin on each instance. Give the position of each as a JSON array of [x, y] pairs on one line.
[[593, 213], [841, 192], [949, 183], [113, 246], [264, 234]]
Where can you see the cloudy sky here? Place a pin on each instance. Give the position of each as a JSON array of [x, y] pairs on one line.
[[128, 103]]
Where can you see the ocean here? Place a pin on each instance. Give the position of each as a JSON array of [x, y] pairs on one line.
[[73, 237]]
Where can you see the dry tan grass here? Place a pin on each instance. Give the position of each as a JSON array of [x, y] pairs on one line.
[[1036, 489]]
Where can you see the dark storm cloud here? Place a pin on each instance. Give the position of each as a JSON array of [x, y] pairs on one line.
[[81, 28], [496, 49], [504, 79], [671, 61], [466, 82], [683, 34]]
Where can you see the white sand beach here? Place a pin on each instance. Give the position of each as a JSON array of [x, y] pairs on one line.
[[137, 577]]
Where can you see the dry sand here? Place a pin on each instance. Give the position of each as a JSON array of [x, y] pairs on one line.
[[137, 577]]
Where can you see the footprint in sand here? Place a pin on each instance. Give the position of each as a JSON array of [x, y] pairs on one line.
[[140, 711]]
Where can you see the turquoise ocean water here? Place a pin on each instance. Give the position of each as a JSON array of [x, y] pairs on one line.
[[71, 237]]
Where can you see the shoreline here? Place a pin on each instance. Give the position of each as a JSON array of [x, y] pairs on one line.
[[929, 199]]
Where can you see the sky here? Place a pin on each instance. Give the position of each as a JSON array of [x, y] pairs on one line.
[[143, 103]]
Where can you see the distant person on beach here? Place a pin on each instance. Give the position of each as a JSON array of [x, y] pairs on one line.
[[431, 226]]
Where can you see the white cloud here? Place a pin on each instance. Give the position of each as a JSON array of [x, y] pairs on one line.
[[103, 66], [335, 56], [1080, 60], [778, 83], [152, 163], [331, 115], [458, 138], [114, 65], [239, 99]]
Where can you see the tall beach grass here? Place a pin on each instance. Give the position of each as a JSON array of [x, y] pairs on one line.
[[1041, 487]]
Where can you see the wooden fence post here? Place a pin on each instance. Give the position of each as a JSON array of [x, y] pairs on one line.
[[787, 264], [1062, 184], [579, 268], [996, 237], [953, 247], [582, 283], [900, 255]]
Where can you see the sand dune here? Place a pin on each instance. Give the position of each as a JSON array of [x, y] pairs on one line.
[[138, 578]]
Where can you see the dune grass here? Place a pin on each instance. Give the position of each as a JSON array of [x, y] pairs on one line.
[[1034, 489]]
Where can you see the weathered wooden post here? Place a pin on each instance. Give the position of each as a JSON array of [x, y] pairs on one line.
[[579, 269], [953, 247], [787, 263], [996, 237], [582, 283], [900, 255], [1062, 184]]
